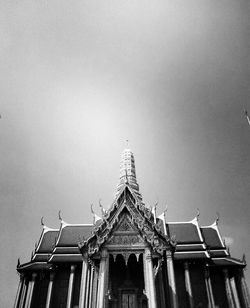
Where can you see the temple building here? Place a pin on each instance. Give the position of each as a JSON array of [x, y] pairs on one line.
[[129, 258]]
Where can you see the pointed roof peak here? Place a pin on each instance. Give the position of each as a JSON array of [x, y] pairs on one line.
[[128, 173]]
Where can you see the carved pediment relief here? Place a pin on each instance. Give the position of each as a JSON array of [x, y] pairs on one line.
[[125, 225], [125, 240]]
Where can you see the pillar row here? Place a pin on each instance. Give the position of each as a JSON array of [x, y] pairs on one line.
[[229, 293], [19, 290], [70, 287], [210, 295], [149, 278], [49, 292], [171, 280], [30, 291], [242, 288], [188, 285], [23, 293], [103, 272], [83, 282]]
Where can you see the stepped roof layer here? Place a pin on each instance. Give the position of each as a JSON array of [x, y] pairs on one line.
[[187, 240]]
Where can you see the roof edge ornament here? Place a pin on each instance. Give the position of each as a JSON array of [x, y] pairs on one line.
[[59, 215], [244, 258], [42, 222], [217, 218], [103, 211], [95, 216], [198, 214]]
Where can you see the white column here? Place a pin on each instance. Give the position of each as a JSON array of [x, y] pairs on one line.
[[30, 291], [102, 276], [70, 287], [83, 282], [188, 285], [24, 289], [19, 289], [49, 292], [91, 287], [87, 287], [95, 284], [243, 289], [163, 302], [210, 295], [171, 280], [228, 289], [145, 270], [150, 279], [235, 294]]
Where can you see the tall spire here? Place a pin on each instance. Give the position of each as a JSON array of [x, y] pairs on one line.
[[127, 173]]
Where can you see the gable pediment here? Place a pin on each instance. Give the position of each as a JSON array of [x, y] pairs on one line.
[[125, 234], [128, 224]]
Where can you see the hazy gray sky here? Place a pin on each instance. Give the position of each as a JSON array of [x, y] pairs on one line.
[[78, 78]]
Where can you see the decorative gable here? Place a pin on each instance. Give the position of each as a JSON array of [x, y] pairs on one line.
[[125, 234], [127, 225]]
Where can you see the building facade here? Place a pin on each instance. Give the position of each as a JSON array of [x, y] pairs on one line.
[[129, 258]]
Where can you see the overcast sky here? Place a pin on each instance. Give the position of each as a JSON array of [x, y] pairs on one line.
[[78, 78]]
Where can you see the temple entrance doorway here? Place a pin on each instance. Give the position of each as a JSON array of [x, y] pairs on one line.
[[126, 282], [128, 299]]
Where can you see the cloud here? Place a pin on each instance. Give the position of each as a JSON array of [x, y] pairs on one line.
[[228, 241]]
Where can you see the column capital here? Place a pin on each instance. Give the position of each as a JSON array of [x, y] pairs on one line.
[[34, 275], [72, 268], [169, 254], [104, 253], [51, 276], [207, 272], [186, 265], [85, 256], [148, 254]]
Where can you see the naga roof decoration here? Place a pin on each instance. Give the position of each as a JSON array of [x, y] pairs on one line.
[[138, 215]]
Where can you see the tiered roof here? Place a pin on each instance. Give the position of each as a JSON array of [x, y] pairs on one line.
[[188, 240]]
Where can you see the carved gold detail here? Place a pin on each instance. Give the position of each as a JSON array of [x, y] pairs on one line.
[[125, 240]]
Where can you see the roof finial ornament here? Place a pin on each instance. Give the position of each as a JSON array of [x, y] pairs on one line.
[[217, 218], [18, 262], [163, 218], [102, 209], [153, 210], [244, 258], [42, 222], [95, 217], [198, 214], [59, 215]]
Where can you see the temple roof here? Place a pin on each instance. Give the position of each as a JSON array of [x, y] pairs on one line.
[[212, 236], [47, 240], [187, 240], [71, 234], [185, 232], [128, 173]]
